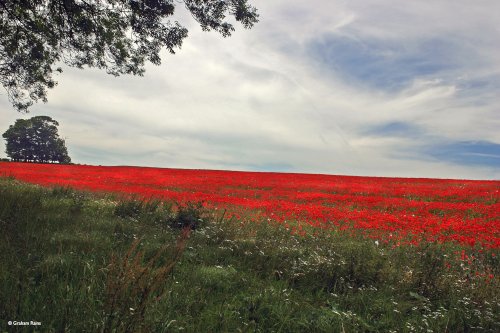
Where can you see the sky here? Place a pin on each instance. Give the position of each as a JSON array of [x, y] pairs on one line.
[[369, 88]]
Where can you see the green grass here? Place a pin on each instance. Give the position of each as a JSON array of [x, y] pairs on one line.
[[79, 262]]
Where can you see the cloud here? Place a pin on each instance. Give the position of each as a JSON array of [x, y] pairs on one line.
[[360, 88]]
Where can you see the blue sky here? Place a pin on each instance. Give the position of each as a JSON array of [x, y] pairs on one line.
[[385, 65], [382, 88]]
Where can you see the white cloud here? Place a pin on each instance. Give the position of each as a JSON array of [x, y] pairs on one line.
[[259, 100]]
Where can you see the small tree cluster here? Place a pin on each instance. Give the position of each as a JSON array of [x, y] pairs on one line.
[[35, 140]]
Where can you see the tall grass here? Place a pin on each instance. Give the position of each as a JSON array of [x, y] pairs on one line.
[[132, 281], [78, 262]]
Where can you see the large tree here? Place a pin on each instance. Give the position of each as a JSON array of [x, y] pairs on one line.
[[35, 140], [118, 36]]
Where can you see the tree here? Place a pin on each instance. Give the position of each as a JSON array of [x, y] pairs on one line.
[[35, 140], [118, 36]]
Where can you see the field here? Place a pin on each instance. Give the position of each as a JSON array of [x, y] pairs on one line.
[[126, 249], [398, 210]]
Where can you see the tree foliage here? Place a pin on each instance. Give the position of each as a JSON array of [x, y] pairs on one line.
[[118, 36], [35, 140]]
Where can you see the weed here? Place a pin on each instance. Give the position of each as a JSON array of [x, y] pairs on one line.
[[133, 284]]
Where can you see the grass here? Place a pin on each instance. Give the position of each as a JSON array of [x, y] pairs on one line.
[[79, 262]]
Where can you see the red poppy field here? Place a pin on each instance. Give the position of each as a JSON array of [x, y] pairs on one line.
[[396, 210]]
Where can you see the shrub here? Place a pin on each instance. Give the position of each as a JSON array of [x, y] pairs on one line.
[[191, 215]]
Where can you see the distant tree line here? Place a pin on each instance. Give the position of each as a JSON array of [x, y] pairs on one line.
[[36, 140]]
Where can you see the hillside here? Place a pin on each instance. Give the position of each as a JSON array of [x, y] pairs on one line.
[[80, 261]]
